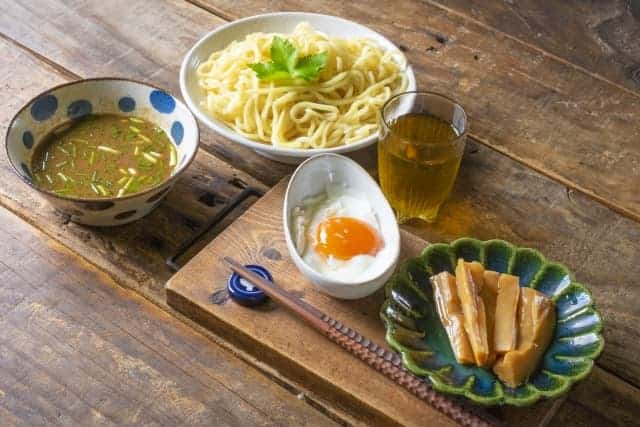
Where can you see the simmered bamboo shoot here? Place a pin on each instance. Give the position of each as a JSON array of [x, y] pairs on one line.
[[445, 295]]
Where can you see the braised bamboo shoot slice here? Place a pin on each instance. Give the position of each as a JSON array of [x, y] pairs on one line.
[[473, 310], [489, 296], [491, 280], [448, 305], [477, 272], [506, 317], [537, 317]]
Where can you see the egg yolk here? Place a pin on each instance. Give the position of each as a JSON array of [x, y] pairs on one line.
[[345, 237]]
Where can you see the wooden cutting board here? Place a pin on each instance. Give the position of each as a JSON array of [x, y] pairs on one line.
[[276, 337]]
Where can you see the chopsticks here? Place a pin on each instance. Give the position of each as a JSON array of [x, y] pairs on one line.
[[383, 361]]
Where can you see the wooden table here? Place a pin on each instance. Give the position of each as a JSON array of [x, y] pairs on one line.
[[553, 90]]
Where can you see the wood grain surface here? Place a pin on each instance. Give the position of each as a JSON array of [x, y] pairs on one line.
[[77, 349], [522, 102], [134, 254], [198, 290], [125, 38], [554, 117], [475, 51], [288, 343], [600, 37], [533, 210]]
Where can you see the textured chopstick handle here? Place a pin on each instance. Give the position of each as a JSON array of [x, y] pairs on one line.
[[389, 356], [390, 365]]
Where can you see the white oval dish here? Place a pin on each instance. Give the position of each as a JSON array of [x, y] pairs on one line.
[[282, 22], [311, 178]]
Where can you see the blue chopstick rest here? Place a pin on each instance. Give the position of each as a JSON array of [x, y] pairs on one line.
[[243, 292]]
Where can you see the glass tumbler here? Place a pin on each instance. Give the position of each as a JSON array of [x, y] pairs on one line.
[[421, 144]]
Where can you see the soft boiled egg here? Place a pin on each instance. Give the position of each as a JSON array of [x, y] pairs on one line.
[[328, 199], [337, 233]]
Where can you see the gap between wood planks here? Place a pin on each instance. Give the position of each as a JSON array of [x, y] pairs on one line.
[[46, 61]]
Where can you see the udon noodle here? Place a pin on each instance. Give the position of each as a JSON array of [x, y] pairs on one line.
[[340, 107]]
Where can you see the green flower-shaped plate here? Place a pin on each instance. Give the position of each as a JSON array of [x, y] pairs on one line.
[[414, 328]]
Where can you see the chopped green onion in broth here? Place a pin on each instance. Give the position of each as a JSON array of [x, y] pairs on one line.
[[106, 148]]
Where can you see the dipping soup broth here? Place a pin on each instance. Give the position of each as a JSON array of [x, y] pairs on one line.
[[103, 156]]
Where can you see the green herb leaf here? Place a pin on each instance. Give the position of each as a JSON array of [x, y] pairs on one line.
[[283, 54], [309, 67], [286, 65], [269, 71]]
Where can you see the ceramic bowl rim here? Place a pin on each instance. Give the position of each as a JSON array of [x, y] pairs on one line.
[[229, 133], [162, 184], [393, 258], [387, 124]]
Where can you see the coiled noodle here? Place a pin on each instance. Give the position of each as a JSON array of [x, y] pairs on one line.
[[339, 108]]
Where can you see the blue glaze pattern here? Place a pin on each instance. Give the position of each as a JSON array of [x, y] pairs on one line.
[[27, 139], [79, 108], [177, 132], [414, 329], [44, 107], [125, 214], [162, 101], [126, 104], [26, 171]]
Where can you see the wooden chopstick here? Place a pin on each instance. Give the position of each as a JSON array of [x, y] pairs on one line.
[[380, 359]]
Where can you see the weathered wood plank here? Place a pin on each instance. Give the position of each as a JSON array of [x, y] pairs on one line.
[[510, 218], [77, 349], [601, 400], [127, 39], [535, 212], [134, 254], [601, 37], [551, 116], [287, 342]]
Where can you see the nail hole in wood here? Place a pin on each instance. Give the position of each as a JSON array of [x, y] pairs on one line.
[[272, 254], [237, 182], [219, 297], [441, 39], [210, 199], [153, 242]]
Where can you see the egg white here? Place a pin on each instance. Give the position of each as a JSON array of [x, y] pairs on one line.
[[337, 201]]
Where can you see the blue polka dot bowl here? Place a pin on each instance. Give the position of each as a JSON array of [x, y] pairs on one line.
[[414, 328], [70, 101]]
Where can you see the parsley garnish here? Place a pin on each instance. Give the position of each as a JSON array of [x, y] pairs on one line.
[[285, 64]]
